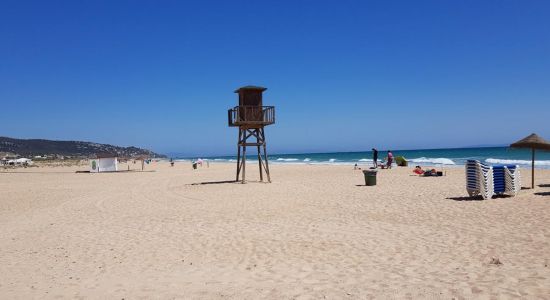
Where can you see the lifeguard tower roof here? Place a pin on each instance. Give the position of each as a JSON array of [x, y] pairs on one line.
[[250, 88]]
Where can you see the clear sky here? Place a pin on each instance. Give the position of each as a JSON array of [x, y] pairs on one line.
[[343, 75]]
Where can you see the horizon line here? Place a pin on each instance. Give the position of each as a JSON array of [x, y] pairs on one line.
[[301, 153]]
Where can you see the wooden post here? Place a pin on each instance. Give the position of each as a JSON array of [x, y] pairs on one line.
[[260, 164], [265, 156], [258, 140], [239, 155], [244, 157], [533, 168]]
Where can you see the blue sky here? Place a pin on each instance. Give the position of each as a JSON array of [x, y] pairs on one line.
[[343, 75]]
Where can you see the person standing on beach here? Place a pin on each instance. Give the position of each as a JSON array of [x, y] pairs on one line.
[[375, 157], [390, 159]]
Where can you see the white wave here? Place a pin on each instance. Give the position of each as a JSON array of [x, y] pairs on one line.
[[517, 162], [307, 159], [287, 159], [441, 160], [329, 163], [332, 161], [365, 159]]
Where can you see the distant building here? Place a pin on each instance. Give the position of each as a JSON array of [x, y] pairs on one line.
[[104, 162], [20, 162]]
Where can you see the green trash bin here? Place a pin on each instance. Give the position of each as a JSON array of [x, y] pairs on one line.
[[370, 177]]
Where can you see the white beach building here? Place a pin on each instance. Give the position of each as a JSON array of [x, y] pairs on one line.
[[104, 162], [19, 162], [23, 161]]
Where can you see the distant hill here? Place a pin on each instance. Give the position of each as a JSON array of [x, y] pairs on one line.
[[35, 147]]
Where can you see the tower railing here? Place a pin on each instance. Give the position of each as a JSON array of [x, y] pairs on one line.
[[251, 115]]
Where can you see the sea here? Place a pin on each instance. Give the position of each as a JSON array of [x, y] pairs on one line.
[[425, 157]]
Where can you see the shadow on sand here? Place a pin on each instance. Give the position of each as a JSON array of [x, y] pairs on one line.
[[226, 182], [214, 182], [119, 171], [476, 198], [467, 198], [543, 194], [544, 185]]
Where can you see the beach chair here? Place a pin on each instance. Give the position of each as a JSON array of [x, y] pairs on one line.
[[512, 179], [479, 179], [506, 179], [499, 182], [487, 180]]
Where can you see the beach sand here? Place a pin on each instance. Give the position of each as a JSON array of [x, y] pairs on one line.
[[316, 232]]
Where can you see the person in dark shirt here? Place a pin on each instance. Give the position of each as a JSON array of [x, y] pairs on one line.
[[375, 157]]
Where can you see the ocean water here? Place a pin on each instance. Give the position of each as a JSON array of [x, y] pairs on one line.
[[427, 157]]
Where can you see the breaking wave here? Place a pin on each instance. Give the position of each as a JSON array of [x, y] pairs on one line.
[[517, 162], [287, 159], [441, 160]]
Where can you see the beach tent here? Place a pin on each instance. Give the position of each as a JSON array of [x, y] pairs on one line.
[[533, 142], [104, 162]]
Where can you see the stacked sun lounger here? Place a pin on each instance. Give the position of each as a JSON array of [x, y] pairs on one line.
[[479, 179], [487, 180], [512, 179], [499, 181]]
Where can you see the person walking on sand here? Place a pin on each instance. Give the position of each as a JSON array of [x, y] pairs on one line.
[[375, 157], [390, 159]]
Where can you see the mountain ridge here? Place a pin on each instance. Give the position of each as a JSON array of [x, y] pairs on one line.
[[34, 147]]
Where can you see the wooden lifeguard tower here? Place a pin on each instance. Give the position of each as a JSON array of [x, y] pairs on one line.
[[251, 117]]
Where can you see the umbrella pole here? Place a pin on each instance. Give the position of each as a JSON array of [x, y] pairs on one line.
[[532, 168]]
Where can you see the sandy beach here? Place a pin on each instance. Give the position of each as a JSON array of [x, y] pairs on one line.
[[316, 232]]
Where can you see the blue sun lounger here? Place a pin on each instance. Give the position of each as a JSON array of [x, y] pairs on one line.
[[479, 179], [487, 181]]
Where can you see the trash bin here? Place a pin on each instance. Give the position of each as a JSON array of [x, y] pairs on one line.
[[370, 177]]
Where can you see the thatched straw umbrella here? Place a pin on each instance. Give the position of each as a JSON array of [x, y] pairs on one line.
[[142, 158], [533, 142]]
